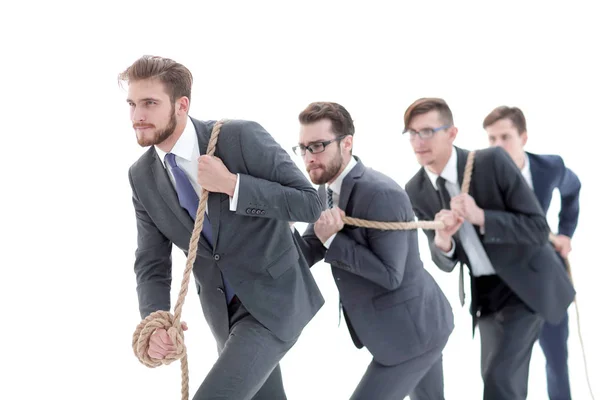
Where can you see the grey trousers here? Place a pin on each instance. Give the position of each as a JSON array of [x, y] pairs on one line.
[[507, 339], [422, 378], [248, 365]]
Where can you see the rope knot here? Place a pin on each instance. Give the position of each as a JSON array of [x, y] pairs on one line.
[[145, 330]]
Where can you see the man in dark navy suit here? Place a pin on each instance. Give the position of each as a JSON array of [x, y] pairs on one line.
[[506, 127]]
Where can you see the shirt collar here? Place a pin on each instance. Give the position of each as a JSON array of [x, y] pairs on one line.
[[449, 173], [184, 147], [336, 185], [526, 166]]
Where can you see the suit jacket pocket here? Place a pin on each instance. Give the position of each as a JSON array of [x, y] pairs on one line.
[[398, 296], [283, 262]]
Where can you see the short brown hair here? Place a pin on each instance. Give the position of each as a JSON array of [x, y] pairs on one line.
[[341, 121], [176, 77], [426, 104], [514, 114]]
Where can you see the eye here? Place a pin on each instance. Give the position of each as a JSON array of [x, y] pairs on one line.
[[150, 102], [316, 147]]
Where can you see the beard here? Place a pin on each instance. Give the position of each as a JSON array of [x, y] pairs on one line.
[[159, 136], [321, 173]]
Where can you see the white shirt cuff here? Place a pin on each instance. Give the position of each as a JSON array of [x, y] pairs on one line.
[[450, 253], [328, 241], [234, 200]]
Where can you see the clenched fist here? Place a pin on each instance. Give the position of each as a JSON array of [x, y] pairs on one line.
[[329, 223], [452, 222], [464, 205], [214, 176], [161, 344]]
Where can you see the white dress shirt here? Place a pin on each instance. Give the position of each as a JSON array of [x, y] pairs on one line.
[[187, 152], [336, 188], [526, 172], [479, 261]]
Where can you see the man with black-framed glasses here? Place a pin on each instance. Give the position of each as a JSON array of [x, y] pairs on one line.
[[499, 231], [391, 305]]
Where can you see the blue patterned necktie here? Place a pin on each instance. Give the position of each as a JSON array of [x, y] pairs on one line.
[[189, 200], [329, 198]]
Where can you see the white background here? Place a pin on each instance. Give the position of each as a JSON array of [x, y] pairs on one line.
[[67, 282]]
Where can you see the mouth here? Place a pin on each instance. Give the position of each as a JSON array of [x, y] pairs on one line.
[[140, 128]]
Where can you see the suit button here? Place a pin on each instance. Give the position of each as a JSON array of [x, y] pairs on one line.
[[217, 257], [254, 211], [262, 212], [220, 290], [248, 210]]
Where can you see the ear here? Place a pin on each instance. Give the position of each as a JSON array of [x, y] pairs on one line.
[[452, 132], [348, 143], [523, 138], [182, 105]]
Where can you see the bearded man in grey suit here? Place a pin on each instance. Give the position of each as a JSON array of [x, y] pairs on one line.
[[257, 293], [392, 306]]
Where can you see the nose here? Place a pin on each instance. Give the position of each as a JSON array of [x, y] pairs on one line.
[[137, 115], [416, 140], [308, 157]]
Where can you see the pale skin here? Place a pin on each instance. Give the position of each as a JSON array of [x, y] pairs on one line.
[[150, 112], [503, 133]]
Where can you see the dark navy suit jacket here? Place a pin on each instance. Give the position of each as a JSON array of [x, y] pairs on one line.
[[548, 172]]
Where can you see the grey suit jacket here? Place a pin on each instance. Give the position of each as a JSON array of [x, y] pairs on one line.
[[253, 247], [516, 232], [392, 305]]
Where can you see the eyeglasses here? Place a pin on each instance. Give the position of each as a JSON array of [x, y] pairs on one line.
[[314, 148], [425, 133]]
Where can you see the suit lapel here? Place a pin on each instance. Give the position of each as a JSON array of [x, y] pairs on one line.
[[203, 132], [536, 172], [348, 183], [428, 194]]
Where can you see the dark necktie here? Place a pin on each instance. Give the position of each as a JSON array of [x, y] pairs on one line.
[[443, 192], [189, 200], [330, 205], [329, 198], [445, 201]]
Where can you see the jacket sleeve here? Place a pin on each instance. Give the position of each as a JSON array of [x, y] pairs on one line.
[[523, 220], [274, 186], [383, 261], [311, 247], [152, 264], [569, 188]]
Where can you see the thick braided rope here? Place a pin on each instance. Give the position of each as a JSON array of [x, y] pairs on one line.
[[166, 320], [438, 224], [399, 226]]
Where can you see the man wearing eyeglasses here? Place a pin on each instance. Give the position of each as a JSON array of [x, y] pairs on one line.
[[392, 306], [506, 127], [499, 231]]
